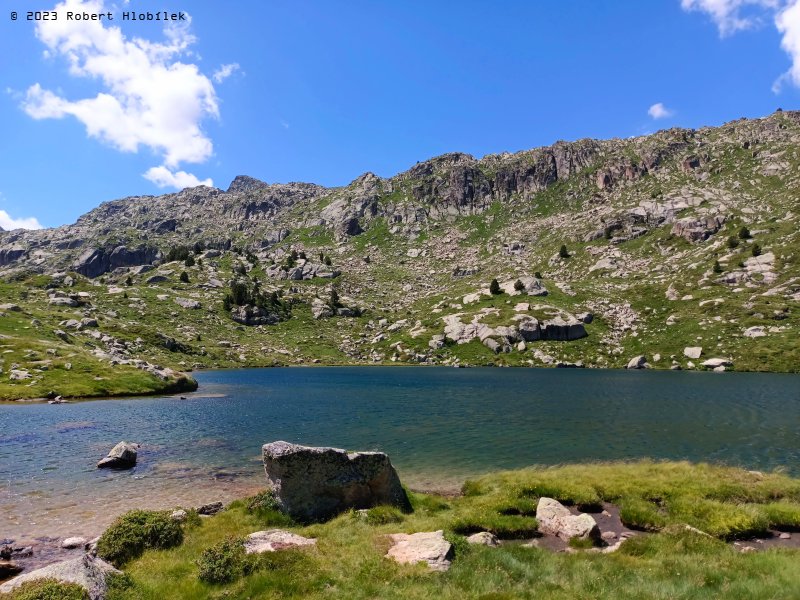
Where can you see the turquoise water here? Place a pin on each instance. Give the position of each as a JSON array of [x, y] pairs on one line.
[[439, 426]]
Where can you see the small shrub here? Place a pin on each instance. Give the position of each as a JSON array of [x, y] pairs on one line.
[[717, 267], [224, 562], [732, 242], [327, 261], [184, 277], [563, 252], [472, 488], [136, 531], [756, 251], [129, 281], [47, 589], [519, 286], [494, 287], [537, 275], [189, 262], [744, 233], [383, 515], [262, 501]]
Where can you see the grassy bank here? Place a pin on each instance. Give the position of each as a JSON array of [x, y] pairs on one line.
[[665, 561]]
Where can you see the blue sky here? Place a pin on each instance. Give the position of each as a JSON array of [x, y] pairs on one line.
[[324, 91]]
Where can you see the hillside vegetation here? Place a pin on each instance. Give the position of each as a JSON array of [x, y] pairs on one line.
[[603, 251]]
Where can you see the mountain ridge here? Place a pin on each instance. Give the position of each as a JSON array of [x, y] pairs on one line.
[[604, 252]]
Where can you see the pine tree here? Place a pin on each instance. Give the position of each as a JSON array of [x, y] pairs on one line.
[[494, 287]]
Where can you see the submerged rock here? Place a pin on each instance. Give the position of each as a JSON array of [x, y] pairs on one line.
[[428, 547], [317, 483], [121, 456]]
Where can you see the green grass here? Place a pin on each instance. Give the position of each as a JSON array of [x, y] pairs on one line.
[[348, 560]]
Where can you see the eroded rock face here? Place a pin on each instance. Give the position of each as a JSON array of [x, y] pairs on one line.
[[312, 483], [555, 519], [87, 571], [121, 456], [429, 547], [274, 540], [96, 261]]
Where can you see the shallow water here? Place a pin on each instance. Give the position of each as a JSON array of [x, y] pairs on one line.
[[439, 426]]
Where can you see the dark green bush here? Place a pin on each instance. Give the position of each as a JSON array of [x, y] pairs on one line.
[[224, 562], [184, 277], [732, 242], [136, 531], [494, 287], [519, 286], [47, 589], [563, 252], [756, 251], [744, 233]]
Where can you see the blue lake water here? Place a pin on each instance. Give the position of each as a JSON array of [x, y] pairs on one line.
[[439, 426]]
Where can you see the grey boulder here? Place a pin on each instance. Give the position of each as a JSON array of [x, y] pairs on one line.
[[87, 571], [312, 483], [121, 456]]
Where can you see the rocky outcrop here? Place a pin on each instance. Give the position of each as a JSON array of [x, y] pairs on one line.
[[254, 315], [11, 255], [697, 229], [312, 483], [483, 538], [425, 547], [121, 456], [89, 572], [555, 519], [96, 261]]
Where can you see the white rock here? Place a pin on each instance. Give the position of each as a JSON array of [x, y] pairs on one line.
[[428, 547], [483, 538], [73, 542], [692, 351], [273, 540]]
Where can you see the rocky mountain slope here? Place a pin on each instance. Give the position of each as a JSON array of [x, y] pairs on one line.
[[667, 251]]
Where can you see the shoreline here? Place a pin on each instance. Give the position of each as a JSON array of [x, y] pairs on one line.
[[192, 390]]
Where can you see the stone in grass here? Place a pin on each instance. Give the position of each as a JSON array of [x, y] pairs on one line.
[[312, 484], [273, 540], [637, 362], [429, 547], [483, 538], [122, 456], [87, 571], [555, 519], [210, 509]]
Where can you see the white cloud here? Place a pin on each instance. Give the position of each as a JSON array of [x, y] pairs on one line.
[[731, 16], [150, 98], [163, 177], [7, 222], [735, 15], [224, 72], [659, 111], [787, 22], [284, 124]]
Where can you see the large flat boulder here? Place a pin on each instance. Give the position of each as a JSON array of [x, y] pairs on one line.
[[313, 484], [428, 546], [87, 571]]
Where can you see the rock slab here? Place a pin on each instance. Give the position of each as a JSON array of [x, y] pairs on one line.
[[87, 571], [121, 456], [312, 483], [429, 547], [556, 519], [274, 540]]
